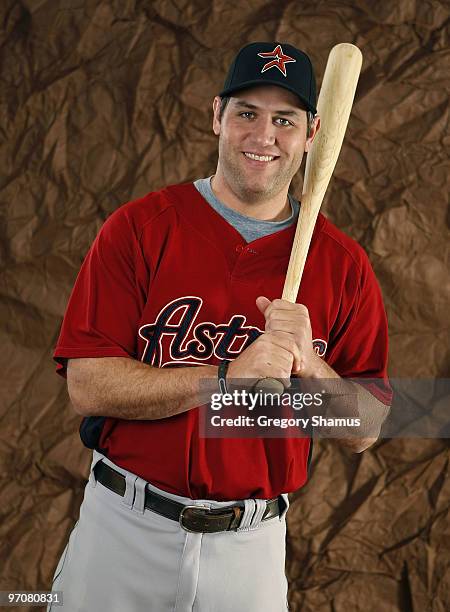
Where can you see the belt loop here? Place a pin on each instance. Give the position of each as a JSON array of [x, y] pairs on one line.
[[139, 498], [96, 458], [285, 498], [249, 509], [128, 498], [261, 506]]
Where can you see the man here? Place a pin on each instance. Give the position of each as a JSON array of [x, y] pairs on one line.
[[190, 276]]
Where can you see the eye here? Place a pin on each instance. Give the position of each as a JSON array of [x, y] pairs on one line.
[[246, 114], [283, 121]]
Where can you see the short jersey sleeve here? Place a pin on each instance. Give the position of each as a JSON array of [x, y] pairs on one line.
[[360, 347], [108, 297]]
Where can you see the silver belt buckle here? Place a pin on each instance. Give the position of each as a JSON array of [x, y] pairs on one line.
[[193, 507]]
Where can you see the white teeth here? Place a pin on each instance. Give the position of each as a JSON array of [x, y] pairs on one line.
[[265, 158]]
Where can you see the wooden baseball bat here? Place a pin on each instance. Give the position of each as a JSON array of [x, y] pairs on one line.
[[334, 107]]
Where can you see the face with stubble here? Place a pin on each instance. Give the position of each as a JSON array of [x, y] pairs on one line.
[[262, 138]]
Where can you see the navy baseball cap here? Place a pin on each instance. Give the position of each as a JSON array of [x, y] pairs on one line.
[[273, 63]]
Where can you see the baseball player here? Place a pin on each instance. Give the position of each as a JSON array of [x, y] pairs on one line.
[[179, 286]]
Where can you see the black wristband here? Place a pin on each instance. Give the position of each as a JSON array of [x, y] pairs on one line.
[[222, 376]]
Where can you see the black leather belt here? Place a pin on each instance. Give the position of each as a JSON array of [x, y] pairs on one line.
[[191, 518]]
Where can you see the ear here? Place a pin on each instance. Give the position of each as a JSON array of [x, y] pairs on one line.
[[315, 127], [216, 113]]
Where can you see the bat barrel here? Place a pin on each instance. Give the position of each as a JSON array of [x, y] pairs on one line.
[[334, 107]]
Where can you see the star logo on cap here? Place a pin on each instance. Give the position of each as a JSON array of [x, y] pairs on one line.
[[279, 60]]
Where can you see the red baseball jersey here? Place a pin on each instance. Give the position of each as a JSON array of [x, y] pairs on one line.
[[170, 282]]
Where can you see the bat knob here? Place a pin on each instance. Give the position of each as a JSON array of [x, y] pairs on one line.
[[269, 385]]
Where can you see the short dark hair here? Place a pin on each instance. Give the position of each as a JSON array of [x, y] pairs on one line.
[[309, 115], [223, 104]]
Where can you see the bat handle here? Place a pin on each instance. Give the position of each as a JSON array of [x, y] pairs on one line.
[[269, 385]]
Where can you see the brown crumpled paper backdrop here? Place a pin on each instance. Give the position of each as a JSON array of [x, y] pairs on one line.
[[103, 101]]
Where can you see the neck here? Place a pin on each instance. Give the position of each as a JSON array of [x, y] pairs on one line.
[[276, 208]]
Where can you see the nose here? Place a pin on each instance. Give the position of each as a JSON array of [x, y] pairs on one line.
[[264, 131]]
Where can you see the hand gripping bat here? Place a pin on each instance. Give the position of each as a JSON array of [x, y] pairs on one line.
[[334, 107]]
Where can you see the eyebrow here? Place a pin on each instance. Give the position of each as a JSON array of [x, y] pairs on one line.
[[286, 113]]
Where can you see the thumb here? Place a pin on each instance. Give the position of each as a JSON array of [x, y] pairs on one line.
[[262, 303]]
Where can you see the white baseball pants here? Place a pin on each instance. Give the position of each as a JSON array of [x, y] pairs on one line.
[[122, 557]]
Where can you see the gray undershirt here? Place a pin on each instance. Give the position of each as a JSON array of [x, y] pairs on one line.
[[250, 229]]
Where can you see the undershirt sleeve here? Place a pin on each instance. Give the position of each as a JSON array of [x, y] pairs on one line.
[[361, 350], [105, 306]]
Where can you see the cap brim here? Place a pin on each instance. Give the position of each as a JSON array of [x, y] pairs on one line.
[[231, 90]]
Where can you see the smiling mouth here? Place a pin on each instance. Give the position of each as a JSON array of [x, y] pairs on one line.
[[260, 158]]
